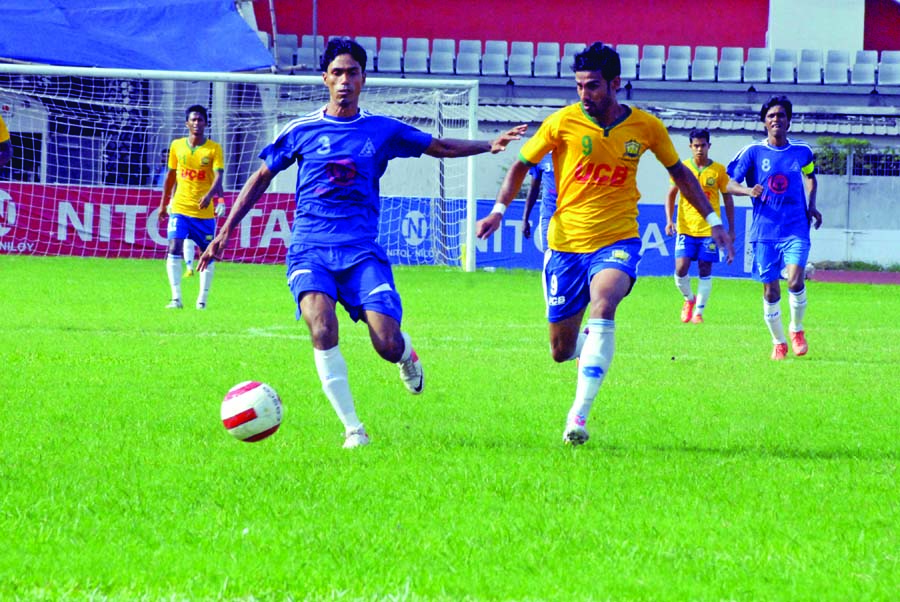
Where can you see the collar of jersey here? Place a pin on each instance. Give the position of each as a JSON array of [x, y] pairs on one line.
[[606, 129], [332, 118]]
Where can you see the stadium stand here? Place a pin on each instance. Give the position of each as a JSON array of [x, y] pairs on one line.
[[493, 63], [307, 58], [862, 73], [708, 53], [370, 43], [444, 45], [415, 61], [784, 55], [497, 47], [702, 70], [809, 71], [523, 48], [470, 46], [628, 51], [417, 45], [650, 68], [836, 73], [519, 65], [390, 61], [730, 70], [468, 63], [391, 43], [758, 54], [782, 72], [441, 62], [546, 66], [866, 57], [732, 53], [307, 41], [548, 49], [889, 73], [678, 69], [755, 71], [629, 67], [654, 51], [679, 52]]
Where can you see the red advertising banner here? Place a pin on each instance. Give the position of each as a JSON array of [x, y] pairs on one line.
[[86, 221]]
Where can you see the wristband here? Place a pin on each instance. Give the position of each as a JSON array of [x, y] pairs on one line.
[[713, 220], [499, 208]]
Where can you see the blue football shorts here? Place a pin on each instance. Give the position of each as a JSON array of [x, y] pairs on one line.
[[198, 229], [769, 258], [357, 276], [567, 276], [696, 248]]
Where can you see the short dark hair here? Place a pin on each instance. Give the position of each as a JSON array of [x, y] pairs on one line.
[[775, 101], [599, 57], [339, 46], [699, 133], [196, 109]]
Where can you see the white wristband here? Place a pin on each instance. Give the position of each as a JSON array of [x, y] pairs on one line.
[[499, 208], [713, 220]]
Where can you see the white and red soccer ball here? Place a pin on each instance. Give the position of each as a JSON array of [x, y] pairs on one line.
[[251, 411]]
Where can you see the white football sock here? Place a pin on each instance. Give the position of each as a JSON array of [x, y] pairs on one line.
[[206, 278], [684, 285], [772, 316], [188, 249], [593, 364], [407, 347], [332, 371], [797, 303], [173, 269], [704, 287]]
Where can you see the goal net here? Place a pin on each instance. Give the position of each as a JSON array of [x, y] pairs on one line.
[[90, 149]]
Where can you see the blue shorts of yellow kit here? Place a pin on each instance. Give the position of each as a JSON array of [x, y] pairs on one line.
[[359, 277], [769, 258], [567, 276], [696, 248], [198, 229]]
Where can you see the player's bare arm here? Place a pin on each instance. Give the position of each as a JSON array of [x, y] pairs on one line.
[[737, 189], [812, 186], [508, 191], [691, 190], [168, 189], [728, 201], [529, 203], [249, 195], [449, 148], [670, 209], [215, 191]]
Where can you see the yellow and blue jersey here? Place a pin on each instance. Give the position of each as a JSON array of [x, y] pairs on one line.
[[4, 132], [194, 167], [596, 169], [713, 178]]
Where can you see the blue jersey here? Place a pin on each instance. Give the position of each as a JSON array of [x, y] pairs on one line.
[[780, 212], [548, 186], [340, 162]]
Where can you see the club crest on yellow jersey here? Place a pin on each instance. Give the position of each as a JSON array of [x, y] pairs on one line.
[[632, 149]]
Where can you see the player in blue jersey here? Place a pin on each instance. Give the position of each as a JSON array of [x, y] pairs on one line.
[[342, 152], [543, 184], [780, 179]]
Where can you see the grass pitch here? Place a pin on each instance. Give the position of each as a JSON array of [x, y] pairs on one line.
[[712, 472]]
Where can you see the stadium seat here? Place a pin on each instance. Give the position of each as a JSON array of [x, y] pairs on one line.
[[308, 58], [390, 61], [417, 45], [650, 69], [524, 48], [679, 52], [548, 49], [836, 73], [391, 43], [285, 47], [445, 45], [546, 65], [470, 46], [370, 44], [627, 51], [677, 69], [441, 62], [811, 55], [732, 53], [519, 65], [653, 51], [493, 64], [890, 56], [729, 70], [415, 61], [499, 47], [785, 55], [702, 70], [863, 74], [888, 73], [307, 41], [629, 67], [866, 56], [468, 63], [809, 72], [573, 48], [755, 71], [782, 72], [840, 57], [708, 53], [758, 54]]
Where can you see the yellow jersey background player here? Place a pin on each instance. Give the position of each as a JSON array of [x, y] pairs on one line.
[[5, 144], [694, 242], [196, 166], [593, 236]]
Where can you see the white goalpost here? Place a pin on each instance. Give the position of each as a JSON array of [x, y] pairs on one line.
[[89, 147]]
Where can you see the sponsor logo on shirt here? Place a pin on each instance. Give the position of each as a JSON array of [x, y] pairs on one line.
[[368, 149], [600, 174], [632, 149], [193, 174], [341, 172]]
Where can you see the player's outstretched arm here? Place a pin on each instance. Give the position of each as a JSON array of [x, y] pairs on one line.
[[692, 191], [508, 191], [249, 195], [735, 188], [449, 148]]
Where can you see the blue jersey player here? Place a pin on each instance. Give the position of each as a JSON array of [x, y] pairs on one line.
[[543, 183], [342, 152], [780, 179]]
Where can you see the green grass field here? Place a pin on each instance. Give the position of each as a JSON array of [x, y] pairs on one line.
[[712, 473]]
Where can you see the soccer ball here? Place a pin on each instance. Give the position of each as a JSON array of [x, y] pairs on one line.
[[251, 411]]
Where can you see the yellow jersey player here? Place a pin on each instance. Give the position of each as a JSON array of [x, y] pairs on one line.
[[196, 166], [694, 242], [5, 144], [593, 235]]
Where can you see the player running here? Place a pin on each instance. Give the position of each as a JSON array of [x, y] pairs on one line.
[[694, 241], [196, 166], [342, 152], [781, 182], [593, 236]]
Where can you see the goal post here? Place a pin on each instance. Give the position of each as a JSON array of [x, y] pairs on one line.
[[89, 148]]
